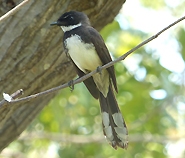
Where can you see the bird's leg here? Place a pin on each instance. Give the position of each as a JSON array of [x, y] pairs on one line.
[[71, 85], [99, 70]]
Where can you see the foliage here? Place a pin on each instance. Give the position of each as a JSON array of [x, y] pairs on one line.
[[147, 117]]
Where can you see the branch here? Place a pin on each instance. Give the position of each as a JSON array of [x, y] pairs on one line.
[[79, 80], [84, 139], [13, 96], [14, 10]]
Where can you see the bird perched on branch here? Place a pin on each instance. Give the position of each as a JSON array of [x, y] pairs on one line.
[[87, 50]]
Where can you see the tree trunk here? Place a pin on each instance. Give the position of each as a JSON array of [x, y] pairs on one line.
[[32, 56]]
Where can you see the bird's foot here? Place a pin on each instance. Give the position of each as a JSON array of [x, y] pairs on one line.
[[71, 85], [99, 70]]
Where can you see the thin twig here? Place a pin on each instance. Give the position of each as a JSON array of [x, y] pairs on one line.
[[14, 10], [79, 80], [15, 95]]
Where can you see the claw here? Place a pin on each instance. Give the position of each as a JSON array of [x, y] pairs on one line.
[[71, 85], [99, 70]]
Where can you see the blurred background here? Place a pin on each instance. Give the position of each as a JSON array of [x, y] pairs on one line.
[[151, 94]]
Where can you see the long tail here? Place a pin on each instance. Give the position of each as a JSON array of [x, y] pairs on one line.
[[114, 126]]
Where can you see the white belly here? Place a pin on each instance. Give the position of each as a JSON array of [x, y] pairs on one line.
[[83, 55]]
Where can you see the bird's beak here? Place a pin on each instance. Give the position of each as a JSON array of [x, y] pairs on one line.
[[55, 23]]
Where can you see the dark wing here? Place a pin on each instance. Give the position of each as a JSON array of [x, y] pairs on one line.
[[89, 83], [103, 53]]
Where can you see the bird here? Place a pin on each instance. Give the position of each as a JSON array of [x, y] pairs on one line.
[[87, 51]]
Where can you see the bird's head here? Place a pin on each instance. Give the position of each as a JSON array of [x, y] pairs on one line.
[[71, 20]]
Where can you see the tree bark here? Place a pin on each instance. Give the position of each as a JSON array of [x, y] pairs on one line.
[[32, 56]]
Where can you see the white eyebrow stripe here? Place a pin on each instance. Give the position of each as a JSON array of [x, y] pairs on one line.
[[66, 16]]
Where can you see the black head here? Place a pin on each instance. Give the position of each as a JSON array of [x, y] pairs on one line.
[[72, 18]]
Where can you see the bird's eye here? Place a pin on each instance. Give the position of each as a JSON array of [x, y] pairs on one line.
[[71, 18]]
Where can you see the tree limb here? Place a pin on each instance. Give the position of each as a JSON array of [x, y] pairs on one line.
[[32, 56]]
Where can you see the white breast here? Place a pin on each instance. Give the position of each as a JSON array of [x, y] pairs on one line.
[[83, 54]]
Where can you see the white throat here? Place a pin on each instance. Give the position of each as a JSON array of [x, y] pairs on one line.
[[69, 28]]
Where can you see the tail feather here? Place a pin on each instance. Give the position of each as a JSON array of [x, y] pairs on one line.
[[114, 126]]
